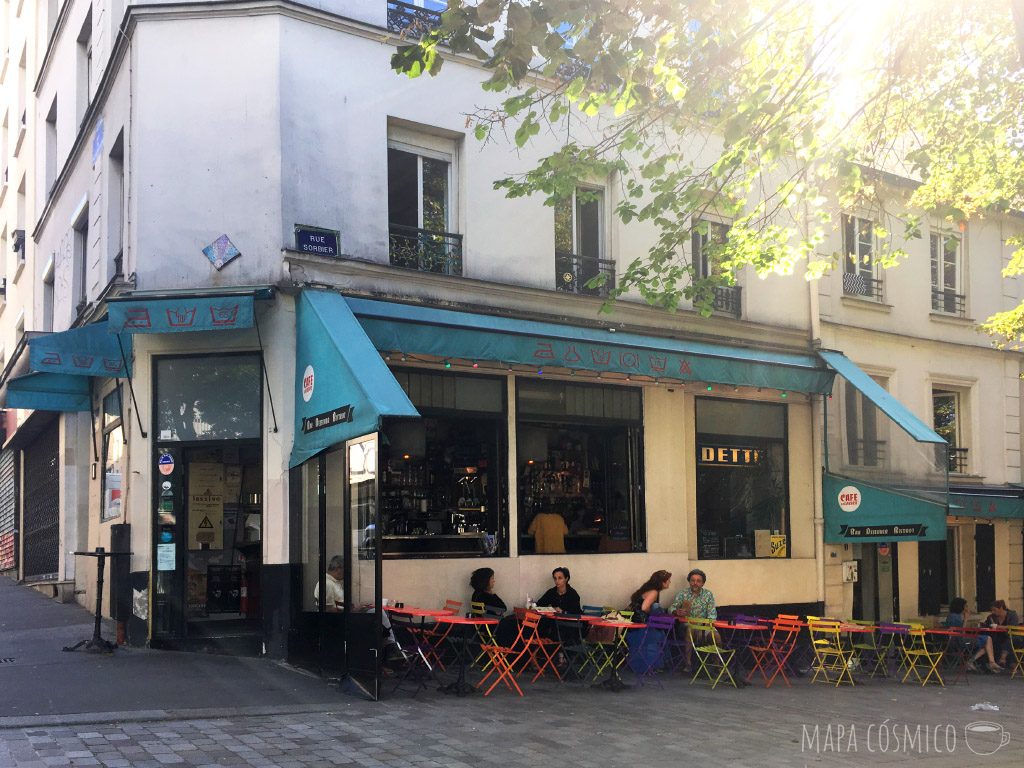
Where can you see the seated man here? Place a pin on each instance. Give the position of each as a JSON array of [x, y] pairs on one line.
[[335, 603]]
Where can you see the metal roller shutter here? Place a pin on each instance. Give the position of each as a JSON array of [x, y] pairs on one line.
[[41, 524], [8, 510]]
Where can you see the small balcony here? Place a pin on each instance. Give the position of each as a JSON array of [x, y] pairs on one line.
[[951, 459], [425, 250], [948, 303], [727, 299], [862, 286], [572, 273], [411, 20]]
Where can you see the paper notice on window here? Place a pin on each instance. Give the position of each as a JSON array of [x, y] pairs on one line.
[[165, 557], [205, 506]]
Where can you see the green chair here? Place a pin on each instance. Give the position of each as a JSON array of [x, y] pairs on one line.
[[832, 658], [713, 660]]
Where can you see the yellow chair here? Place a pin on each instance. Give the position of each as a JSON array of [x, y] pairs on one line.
[[710, 654], [832, 659], [1017, 648], [918, 656]]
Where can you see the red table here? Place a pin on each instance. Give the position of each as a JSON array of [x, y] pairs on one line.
[[616, 648], [460, 687]]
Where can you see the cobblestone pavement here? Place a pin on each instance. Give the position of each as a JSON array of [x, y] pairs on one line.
[[880, 722]]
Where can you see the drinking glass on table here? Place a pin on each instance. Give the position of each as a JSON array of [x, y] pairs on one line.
[[683, 611]]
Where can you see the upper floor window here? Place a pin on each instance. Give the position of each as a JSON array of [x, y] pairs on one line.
[[947, 295], [865, 432], [421, 204], [705, 238], [580, 243], [860, 276], [413, 18], [84, 90], [947, 414]]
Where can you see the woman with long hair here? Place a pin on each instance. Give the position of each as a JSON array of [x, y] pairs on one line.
[[647, 599]]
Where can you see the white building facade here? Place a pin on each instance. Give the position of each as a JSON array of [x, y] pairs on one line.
[[361, 273]]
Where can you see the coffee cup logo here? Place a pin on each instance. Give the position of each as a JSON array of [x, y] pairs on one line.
[[984, 737]]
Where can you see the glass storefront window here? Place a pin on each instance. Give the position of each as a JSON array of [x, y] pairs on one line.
[[113, 454], [579, 458], [441, 484], [742, 480], [208, 398]]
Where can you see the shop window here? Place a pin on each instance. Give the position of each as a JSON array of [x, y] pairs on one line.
[[865, 432], [579, 460], [113, 454], [742, 480], [442, 488], [208, 398]]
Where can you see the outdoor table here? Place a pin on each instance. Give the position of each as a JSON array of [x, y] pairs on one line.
[[614, 653], [466, 627], [573, 647], [423, 648], [730, 641]]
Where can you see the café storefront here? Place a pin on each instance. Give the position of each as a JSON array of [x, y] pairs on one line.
[[429, 442]]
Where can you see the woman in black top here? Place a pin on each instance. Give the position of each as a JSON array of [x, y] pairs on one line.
[[482, 582], [561, 597]]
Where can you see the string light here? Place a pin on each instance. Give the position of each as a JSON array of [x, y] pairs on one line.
[[476, 364], [447, 363], [708, 388], [540, 371], [784, 395]]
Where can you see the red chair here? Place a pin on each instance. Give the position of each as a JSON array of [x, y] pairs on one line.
[[435, 636], [770, 659], [507, 663]]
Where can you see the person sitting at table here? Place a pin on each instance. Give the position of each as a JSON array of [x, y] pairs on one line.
[[335, 603], [696, 601], [646, 600], [1001, 616], [561, 597], [482, 582], [978, 646]]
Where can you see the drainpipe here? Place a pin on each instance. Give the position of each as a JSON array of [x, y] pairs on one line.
[[818, 437]]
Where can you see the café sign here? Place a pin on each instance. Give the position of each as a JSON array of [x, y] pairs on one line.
[[729, 456]]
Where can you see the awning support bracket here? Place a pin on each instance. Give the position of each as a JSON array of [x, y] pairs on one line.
[[263, 367], [92, 418], [131, 388]]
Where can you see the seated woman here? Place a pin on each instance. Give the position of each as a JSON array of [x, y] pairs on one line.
[[561, 597], [645, 646], [646, 600], [1001, 616], [980, 646], [482, 582]]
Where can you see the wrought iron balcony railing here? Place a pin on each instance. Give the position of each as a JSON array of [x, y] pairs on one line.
[[957, 460], [727, 299], [573, 272], [412, 20], [424, 250], [859, 285], [949, 303]]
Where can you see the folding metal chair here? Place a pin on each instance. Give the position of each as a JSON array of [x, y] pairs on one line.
[[710, 655], [417, 653], [770, 659], [652, 642], [1016, 636], [920, 656], [832, 659]]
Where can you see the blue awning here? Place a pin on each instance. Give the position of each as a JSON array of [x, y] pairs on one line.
[[188, 312], [86, 351], [342, 386], [49, 392], [987, 501], [858, 512], [467, 336], [885, 402]]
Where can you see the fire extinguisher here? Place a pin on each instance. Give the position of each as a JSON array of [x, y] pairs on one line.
[[243, 600]]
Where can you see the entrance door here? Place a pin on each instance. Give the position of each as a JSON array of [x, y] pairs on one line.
[[209, 546], [985, 565], [932, 584], [874, 593], [364, 638]]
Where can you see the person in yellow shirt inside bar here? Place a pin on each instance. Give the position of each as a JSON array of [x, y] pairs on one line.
[[549, 531]]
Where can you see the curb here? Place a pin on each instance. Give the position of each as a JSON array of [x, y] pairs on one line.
[[150, 715]]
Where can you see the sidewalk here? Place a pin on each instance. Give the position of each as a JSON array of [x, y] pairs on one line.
[[39, 679], [146, 709]]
